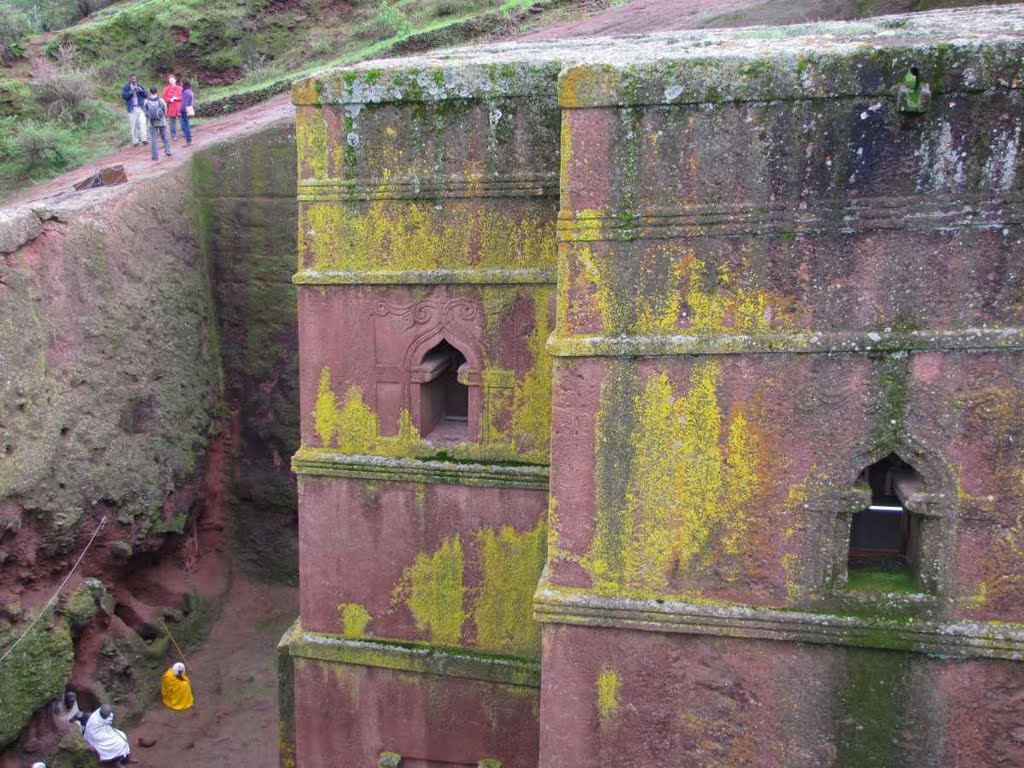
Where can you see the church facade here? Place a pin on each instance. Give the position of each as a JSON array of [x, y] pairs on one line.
[[663, 402]]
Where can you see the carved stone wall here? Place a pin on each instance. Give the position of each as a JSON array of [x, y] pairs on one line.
[[775, 268]]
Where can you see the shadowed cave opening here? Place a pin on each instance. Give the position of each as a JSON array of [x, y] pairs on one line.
[[884, 535], [444, 400]]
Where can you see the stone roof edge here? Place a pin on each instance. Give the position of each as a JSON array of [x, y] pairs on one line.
[[719, 63]]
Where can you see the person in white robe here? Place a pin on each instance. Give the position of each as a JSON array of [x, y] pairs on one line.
[[111, 745]]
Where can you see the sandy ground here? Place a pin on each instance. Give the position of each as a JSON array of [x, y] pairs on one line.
[[234, 678]]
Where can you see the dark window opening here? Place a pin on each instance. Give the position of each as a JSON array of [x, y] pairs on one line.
[[444, 401], [883, 537]]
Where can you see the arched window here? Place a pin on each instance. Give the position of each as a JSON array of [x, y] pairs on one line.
[[444, 400], [884, 535]]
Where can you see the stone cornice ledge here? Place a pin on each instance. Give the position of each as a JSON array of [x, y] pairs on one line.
[[799, 342], [958, 638], [412, 657], [469, 276], [311, 461]]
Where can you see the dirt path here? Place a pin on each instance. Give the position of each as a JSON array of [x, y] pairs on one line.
[[234, 676], [136, 160]]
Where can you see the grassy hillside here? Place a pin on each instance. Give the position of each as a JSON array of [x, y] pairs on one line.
[[60, 95], [60, 91]]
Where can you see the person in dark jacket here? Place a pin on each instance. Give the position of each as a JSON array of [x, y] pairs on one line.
[[188, 110], [134, 94]]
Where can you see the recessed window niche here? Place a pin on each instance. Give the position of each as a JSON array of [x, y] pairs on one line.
[[444, 400], [884, 547]]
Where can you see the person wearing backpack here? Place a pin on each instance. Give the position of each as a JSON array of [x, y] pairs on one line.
[[156, 114]]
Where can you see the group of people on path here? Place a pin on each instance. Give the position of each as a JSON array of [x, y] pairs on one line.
[[150, 114], [110, 744]]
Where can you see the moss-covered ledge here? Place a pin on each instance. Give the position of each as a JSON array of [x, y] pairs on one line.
[[325, 463], [411, 657], [802, 342], [965, 639], [485, 276]]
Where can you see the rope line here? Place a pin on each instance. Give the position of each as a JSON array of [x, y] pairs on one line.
[[57, 593]]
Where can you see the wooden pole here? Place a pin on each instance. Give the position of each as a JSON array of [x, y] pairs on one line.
[[181, 653]]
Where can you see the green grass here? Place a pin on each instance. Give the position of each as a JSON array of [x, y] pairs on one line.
[[235, 53], [902, 581]]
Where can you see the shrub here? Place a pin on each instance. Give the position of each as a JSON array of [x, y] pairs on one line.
[[392, 18], [38, 148], [446, 8], [15, 97], [67, 93], [14, 25], [66, 54]]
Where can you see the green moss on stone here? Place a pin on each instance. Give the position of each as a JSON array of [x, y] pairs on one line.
[[33, 674]]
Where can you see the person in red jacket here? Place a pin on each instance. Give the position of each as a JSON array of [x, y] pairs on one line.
[[172, 95]]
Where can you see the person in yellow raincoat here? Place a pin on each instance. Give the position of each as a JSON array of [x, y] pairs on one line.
[[176, 689]]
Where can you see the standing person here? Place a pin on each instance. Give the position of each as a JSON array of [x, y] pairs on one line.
[[133, 95], [188, 109], [156, 113], [111, 745], [172, 97], [176, 688]]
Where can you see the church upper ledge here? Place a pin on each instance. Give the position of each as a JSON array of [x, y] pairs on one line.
[[818, 60], [787, 342], [470, 276], [329, 463]]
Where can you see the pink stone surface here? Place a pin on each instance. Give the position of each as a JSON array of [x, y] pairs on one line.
[[683, 701], [356, 539], [346, 716], [375, 338]]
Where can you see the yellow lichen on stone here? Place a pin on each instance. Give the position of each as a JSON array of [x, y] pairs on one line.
[[607, 687], [319, 234], [356, 425], [531, 417], [659, 312], [715, 305], [311, 143], [353, 619], [420, 237], [353, 427], [326, 409], [510, 564], [740, 481], [688, 492], [433, 591]]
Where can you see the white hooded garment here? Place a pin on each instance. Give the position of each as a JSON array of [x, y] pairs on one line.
[[102, 736]]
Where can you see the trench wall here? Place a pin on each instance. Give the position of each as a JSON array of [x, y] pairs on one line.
[[147, 375]]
